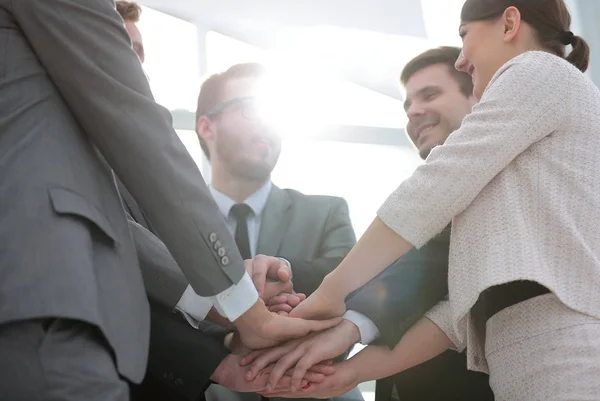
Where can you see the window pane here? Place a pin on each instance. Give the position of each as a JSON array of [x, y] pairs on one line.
[[362, 174], [171, 47]]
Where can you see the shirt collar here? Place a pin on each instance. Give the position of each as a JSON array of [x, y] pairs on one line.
[[257, 201]]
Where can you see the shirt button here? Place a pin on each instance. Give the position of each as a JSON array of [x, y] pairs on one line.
[[212, 237], [217, 245], [224, 260], [221, 252]]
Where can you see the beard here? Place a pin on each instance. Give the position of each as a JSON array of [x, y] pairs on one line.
[[258, 170]]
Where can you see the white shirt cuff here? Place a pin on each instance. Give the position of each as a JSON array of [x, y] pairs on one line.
[[367, 329], [193, 306], [237, 299]]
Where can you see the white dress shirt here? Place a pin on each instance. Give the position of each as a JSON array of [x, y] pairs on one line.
[[235, 300]]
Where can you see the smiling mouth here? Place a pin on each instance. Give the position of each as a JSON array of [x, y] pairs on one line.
[[424, 131]]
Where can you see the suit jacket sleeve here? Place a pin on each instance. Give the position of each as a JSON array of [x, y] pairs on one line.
[[87, 53], [405, 291], [337, 240], [181, 357]]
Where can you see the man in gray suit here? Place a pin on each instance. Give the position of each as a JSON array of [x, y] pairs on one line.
[[74, 104], [313, 233]]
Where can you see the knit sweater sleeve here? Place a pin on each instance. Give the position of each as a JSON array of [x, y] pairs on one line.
[[521, 105]]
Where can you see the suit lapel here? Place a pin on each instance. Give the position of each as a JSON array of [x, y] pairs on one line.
[[275, 221]]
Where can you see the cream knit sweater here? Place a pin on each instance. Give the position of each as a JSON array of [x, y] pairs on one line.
[[520, 181]]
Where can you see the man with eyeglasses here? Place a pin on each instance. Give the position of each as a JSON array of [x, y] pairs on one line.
[[311, 233]]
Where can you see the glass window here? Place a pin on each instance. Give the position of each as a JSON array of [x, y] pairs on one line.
[[171, 47], [363, 174]]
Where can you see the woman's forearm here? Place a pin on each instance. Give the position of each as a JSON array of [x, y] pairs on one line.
[[378, 248], [422, 342]]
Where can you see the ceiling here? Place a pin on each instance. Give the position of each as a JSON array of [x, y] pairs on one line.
[[363, 42]]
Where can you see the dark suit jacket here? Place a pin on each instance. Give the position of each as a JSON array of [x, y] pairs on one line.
[[181, 359], [402, 293], [394, 301]]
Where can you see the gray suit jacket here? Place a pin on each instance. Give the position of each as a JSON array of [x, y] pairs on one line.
[[72, 95], [313, 232]]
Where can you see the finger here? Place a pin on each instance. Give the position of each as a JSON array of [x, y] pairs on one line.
[[278, 270], [252, 356], [281, 307], [277, 288], [313, 377], [308, 360], [283, 390], [300, 295], [292, 300], [279, 299], [284, 384], [285, 363], [248, 266], [259, 273], [282, 313], [284, 273], [327, 370], [260, 361]]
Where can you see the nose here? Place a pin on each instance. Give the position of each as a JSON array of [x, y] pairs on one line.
[[414, 110], [461, 63]]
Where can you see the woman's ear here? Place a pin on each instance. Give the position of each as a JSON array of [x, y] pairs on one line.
[[511, 19]]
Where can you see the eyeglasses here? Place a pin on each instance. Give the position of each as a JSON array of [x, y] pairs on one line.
[[248, 106]]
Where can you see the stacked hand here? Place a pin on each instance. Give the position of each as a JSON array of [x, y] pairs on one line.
[[262, 327], [306, 354], [302, 353], [231, 375], [297, 357], [259, 327]]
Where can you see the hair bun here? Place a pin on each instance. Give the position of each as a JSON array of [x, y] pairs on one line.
[[566, 38]]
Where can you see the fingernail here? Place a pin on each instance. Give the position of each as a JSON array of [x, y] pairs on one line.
[[248, 375]]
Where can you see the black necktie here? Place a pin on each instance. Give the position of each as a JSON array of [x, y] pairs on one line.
[[241, 211]]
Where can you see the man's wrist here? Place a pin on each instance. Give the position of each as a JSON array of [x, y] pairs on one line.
[[237, 299], [215, 317], [252, 316], [368, 331], [353, 329]]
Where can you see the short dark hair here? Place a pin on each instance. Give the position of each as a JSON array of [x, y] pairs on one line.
[[211, 91], [129, 10], [550, 19], [445, 55]]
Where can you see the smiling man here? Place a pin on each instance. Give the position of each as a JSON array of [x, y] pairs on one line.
[[438, 97]]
